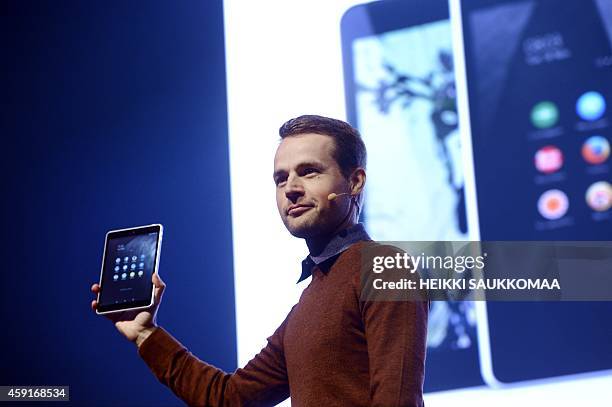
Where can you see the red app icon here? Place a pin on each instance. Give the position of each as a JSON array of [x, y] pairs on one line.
[[548, 159]]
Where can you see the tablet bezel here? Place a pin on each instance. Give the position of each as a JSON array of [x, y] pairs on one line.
[[133, 231]]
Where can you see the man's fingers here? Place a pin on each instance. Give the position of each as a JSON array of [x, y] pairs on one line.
[[159, 287], [157, 281], [95, 288]]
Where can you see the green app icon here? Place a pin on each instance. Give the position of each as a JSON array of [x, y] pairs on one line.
[[544, 115]]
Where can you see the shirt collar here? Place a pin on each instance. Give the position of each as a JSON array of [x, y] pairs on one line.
[[339, 243]]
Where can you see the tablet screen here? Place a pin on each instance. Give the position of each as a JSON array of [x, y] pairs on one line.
[[130, 259], [400, 94], [539, 84]]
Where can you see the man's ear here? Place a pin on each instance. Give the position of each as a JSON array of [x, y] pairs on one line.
[[357, 181]]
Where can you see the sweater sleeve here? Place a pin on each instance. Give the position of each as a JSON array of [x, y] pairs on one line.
[[262, 382], [396, 331]]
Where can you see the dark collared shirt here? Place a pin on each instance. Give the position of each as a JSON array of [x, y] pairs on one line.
[[334, 247]]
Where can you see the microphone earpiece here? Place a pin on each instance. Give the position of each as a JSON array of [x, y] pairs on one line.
[[334, 195]]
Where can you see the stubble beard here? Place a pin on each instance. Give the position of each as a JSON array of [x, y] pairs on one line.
[[312, 226], [304, 226]]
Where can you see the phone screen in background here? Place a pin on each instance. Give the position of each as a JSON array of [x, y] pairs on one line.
[[540, 88], [539, 77], [400, 92]]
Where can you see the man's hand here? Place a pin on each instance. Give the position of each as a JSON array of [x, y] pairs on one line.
[[136, 325]]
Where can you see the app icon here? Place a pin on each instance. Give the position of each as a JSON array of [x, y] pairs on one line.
[[140, 272], [116, 269], [591, 106], [599, 196], [123, 276], [132, 274], [134, 258], [142, 256], [544, 115], [548, 159], [141, 265], [116, 277], [118, 260], [553, 204], [596, 150], [124, 267], [133, 266], [125, 259]]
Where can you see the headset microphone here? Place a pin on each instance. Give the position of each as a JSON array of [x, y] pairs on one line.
[[333, 195]]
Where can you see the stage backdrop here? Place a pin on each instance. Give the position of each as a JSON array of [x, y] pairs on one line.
[[284, 59]]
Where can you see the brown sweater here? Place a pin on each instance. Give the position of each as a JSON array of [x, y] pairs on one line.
[[333, 349]]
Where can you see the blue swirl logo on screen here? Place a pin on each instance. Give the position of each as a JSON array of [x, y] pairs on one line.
[[591, 106]]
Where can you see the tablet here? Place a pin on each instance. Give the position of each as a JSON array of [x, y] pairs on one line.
[[400, 94], [130, 258], [538, 83]]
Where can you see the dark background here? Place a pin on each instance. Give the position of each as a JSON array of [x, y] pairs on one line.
[[113, 115]]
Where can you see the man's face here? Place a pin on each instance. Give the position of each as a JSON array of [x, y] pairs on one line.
[[305, 173]]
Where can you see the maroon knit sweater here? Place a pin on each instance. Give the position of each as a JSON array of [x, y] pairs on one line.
[[333, 349]]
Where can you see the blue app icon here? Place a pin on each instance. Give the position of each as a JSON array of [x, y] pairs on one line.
[[591, 106]]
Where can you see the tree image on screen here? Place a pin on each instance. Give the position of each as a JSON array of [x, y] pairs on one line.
[[438, 87]]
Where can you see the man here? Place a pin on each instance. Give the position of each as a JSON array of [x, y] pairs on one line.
[[334, 348]]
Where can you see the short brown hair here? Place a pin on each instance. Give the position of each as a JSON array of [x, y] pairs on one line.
[[349, 151]]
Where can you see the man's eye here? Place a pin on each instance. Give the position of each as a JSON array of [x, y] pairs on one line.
[[309, 171], [279, 182]]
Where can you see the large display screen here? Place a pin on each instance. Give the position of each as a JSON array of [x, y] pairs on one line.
[[539, 81], [400, 91], [267, 84], [540, 90]]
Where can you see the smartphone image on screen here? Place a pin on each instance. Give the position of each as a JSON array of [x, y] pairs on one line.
[[130, 258], [539, 87], [400, 94]]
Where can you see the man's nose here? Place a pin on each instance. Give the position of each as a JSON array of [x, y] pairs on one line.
[[294, 188]]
